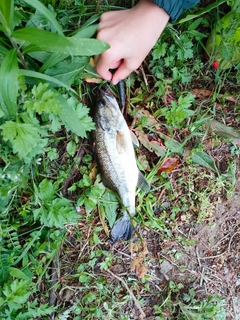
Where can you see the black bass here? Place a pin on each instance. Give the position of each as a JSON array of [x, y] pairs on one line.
[[116, 158]]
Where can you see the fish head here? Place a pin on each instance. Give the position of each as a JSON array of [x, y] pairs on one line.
[[106, 110]]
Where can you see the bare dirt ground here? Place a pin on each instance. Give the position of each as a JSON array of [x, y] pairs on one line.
[[210, 265], [214, 260]]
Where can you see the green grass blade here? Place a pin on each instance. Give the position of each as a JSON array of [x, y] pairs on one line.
[[53, 42], [203, 159], [38, 75], [7, 16], [9, 83], [201, 12], [48, 14]]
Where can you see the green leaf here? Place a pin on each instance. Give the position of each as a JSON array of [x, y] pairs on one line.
[[67, 71], [9, 83], [16, 293], [46, 190], [86, 32], [75, 116], [48, 14], [53, 42], [7, 16], [38, 75], [225, 132], [200, 12], [110, 204], [203, 159], [43, 100], [17, 273], [57, 214], [25, 139]]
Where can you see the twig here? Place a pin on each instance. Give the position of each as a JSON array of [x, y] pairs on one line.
[[53, 281], [20, 55], [220, 254], [130, 292], [144, 76]]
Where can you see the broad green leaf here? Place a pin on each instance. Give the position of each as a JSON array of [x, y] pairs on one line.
[[67, 71], [75, 116], [54, 59], [7, 16], [46, 190], [17, 273], [204, 160], [38, 75], [3, 50], [109, 204], [48, 14], [226, 132], [57, 214], [25, 139], [87, 32], [9, 83], [57, 43]]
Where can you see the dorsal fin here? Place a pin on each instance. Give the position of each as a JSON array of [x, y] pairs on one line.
[[142, 183]]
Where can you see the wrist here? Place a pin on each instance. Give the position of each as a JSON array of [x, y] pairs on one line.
[[153, 13]]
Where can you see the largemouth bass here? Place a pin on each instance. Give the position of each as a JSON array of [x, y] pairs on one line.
[[115, 156]]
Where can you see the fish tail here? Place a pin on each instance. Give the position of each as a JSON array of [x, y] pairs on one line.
[[122, 229]]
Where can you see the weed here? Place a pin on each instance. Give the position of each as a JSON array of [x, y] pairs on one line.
[[43, 121]]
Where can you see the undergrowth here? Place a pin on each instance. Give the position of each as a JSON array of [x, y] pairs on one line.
[[44, 125]]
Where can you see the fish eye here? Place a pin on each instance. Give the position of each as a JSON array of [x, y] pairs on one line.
[[101, 103]]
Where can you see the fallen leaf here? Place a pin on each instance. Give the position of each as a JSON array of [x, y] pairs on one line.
[[168, 165], [152, 146], [202, 93], [225, 132]]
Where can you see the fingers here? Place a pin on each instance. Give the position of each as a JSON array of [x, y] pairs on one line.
[[123, 71]]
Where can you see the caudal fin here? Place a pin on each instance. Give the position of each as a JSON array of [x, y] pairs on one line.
[[122, 229]]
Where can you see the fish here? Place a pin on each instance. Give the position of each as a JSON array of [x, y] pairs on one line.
[[115, 156]]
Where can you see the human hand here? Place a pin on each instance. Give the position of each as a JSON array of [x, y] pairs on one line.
[[131, 34]]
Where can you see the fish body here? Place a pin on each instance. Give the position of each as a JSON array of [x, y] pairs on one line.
[[115, 156]]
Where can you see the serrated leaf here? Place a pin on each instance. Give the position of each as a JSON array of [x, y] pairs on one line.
[[53, 42], [43, 100], [9, 83], [16, 293], [75, 116], [203, 159], [25, 139], [57, 214]]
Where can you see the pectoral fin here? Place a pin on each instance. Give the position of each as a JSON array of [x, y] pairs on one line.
[[121, 142], [134, 139], [142, 183]]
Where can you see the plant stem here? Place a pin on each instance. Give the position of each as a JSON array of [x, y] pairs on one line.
[[20, 55]]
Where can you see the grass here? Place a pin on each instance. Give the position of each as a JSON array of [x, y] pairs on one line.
[[55, 214]]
